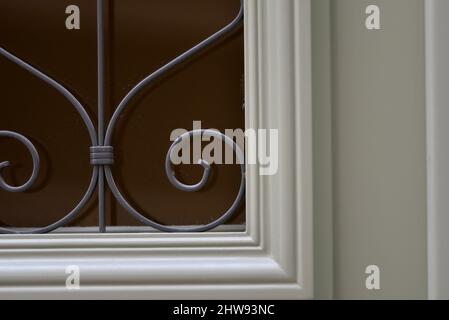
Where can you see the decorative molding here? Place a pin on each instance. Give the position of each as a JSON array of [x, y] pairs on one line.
[[437, 79], [272, 259]]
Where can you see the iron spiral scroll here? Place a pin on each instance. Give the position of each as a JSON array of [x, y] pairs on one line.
[[102, 151]]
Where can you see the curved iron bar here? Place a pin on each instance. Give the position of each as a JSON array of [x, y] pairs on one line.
[[207, 169], [125, 102], [169, 66], [66, 93], [171, 176], [189, 188], [101, 155], [67, 218], [36, 163], [93, 137]]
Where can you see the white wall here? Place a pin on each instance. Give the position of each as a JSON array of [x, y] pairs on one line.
[[377, 103]]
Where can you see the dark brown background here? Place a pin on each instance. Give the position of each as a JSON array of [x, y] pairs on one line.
[[142, 36]]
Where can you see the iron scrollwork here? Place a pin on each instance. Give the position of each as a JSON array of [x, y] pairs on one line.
[[102, 152]]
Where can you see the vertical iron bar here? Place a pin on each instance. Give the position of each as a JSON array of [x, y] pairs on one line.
[[101, 79]]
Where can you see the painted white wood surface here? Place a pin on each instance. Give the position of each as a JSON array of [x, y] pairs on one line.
[[272, 259]]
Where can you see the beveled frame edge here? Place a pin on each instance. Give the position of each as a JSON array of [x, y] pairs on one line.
[[273, 259], [437, 112]]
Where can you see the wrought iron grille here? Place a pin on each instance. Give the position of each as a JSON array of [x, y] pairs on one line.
[[101, 138]]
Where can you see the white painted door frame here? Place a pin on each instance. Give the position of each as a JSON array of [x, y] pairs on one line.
[[437, 82], [272, 259]]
